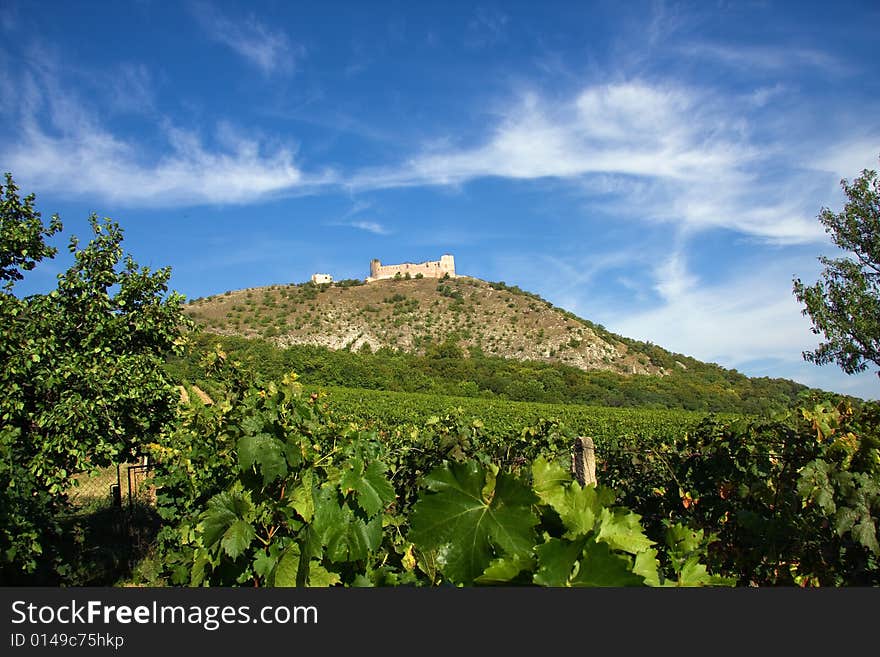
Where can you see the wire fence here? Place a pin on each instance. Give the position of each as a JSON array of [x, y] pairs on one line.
[[121, 484], [89, 489]]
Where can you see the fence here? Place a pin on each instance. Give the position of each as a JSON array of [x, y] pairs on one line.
[[138, 483], [122, 484]]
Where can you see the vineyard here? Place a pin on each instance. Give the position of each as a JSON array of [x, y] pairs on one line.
[[291, 488], [260, 480], [283, 485], [273, 483], [500, 419]]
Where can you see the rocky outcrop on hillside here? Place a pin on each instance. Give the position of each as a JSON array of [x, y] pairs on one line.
[[417, 315]]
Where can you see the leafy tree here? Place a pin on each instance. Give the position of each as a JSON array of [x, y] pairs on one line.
[[845, 305], [448, 349], [22, 234], [82, 376]]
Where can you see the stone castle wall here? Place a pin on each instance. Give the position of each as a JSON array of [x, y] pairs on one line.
[[431, 269]]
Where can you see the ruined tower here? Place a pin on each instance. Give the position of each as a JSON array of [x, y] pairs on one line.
[[430, 269]]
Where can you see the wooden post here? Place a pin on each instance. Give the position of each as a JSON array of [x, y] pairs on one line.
[[583, 461]]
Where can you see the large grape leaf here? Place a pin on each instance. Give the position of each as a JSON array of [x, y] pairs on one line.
[[693, 573], [865, 532], [320, 576], [263, 450], [355, 540], [227, 520], [288, 567], [556, 560], [646, 565], [504, 569], [197, 572], [288, 570], [683, 540], [237, 538], [264, 563], [549, 481], [471, 516], [344, 536], [814, 485], [374, 491], [621, 529], [301, 497], [578, 506], [602, 567]]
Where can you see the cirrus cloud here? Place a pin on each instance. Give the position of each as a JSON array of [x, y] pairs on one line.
[[675, 154], [61, 146]]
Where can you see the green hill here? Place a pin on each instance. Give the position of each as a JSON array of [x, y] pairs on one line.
[[464, 336]]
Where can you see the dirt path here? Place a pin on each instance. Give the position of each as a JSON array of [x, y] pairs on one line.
[[201, 394], [207, 401]]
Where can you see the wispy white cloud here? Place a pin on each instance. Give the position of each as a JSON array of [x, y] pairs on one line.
[[92, 162], [566, 275], [62, 147], [764, 58], [673, 280], [664, 20], [632, 129], [269, 50], [678, 154], [131, 89], [370, 226], [351, 220], [762, 95], [746, 317], [847, 159]]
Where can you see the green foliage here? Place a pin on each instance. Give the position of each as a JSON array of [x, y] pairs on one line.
[[843, 485], [299, 500], [845, 305], [83, 379], [699, 388], [476, 514], [311, 499], [792, 501], [448, 349], [22, 234], [348, 282], [483, 526]]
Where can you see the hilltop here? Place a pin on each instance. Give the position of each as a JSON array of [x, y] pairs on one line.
[[414, 315]]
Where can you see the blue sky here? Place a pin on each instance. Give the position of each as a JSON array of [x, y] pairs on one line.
[[654, 167]]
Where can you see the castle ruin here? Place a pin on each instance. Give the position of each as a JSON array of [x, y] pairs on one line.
[[431, 269]]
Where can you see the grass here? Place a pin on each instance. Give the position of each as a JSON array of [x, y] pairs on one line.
[[87, 489]]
